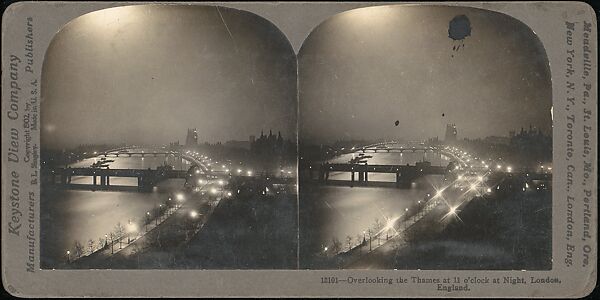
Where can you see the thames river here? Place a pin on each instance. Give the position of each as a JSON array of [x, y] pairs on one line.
[[78, 215], [341, 211]]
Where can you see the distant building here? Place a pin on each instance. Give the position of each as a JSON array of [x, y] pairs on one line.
[[451, 133], [191, 140], [534, 146], [270, 144], [533, 136], [433, 141], [174, 146]]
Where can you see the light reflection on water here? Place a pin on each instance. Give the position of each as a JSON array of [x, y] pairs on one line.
[[340, 211], [69, 215], [394, 158], [126, 162]]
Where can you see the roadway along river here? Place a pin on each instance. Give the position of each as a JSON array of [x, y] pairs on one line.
[[68, 215], [335, 212]]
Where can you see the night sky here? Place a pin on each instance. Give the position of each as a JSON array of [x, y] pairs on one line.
[[362, 70], [144, 74]]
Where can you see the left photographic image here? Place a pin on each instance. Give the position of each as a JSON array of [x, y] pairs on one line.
[[169, 141]]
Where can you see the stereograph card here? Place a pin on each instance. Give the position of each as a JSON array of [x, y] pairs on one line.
[[360, 149]]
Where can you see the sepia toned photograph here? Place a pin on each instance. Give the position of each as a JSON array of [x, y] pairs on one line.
[[299, 149], [168, 141], [425, 142]]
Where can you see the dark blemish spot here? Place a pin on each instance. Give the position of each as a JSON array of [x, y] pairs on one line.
[[443, 115], [459, 28], [397, 122]]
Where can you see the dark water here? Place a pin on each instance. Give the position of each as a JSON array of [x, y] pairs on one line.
[[336, 212], [68, 215]]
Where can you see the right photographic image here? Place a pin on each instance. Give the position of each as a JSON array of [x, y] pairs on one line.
[[425, 142]]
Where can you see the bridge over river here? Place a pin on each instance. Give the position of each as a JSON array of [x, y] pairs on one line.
[[393, 147], [129, 164], [99, 174], [359, 173], [360, 165], [146, 178]]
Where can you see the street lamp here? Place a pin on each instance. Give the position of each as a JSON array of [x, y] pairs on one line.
[[156, 215], [112, 244], [453, 210], [129, 231], [68, 256], [147, 220], [132, 228], [388, 226], [180, 197]]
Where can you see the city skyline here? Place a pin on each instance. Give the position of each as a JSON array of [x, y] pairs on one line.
[[252, 137], [143, 74], [337, 99]]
